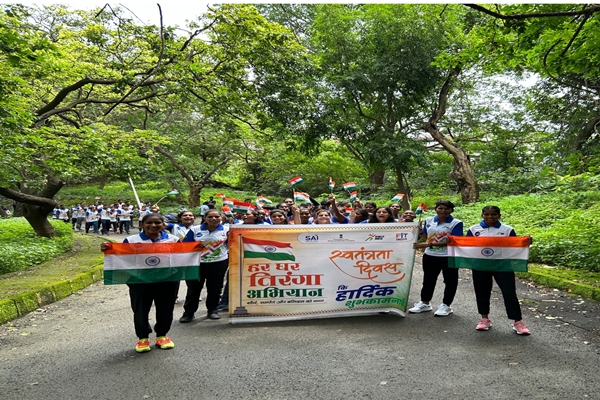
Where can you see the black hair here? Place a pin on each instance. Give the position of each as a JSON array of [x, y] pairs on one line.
[[491, 208], [153, 215], [371, 203], [363, 213], [373, 218], [183, 212], [257, 216], [280, 212], [446, 203]]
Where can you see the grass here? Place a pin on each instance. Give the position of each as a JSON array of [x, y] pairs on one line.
[[84, 255]]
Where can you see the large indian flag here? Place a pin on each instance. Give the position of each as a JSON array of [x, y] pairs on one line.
[[151, 262], [489, 253], [269, 249]]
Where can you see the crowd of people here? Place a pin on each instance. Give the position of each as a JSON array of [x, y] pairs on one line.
[[212, 232], [117, 217]]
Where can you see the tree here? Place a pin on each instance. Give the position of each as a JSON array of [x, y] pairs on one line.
[[80, 66]]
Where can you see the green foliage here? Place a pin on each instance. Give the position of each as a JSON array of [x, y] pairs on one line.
[[20, 248], [563, 225]]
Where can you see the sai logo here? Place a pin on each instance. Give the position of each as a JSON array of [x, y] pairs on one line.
[[311, 238]]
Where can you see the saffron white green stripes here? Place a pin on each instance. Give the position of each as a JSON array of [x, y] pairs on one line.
[[269, 249], [151, 262], [489, 253]]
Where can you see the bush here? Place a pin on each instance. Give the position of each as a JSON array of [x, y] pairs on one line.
[[20, 248], [563, 225]]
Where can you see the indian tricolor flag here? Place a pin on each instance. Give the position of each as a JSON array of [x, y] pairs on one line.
[[242, 207], [489, 253], [349, 185], [263, 200], [398, 197], [295, 180], [221, 195], [269, 249], [353, 195], [227, 211], [301, 196], [228, 201], [151, 262]]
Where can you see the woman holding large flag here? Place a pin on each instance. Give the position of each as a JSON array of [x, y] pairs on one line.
[[212, 234], [482, 280], [435, 259], [142, 295]]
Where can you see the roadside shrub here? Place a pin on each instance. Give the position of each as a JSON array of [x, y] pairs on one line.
[[563, 225], [20, 248]]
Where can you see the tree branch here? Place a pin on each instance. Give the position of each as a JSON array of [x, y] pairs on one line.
[[586, 11]]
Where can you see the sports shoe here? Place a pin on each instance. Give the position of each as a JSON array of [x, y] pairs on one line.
[[443, 311], [520, 328], [185, 318], [143, 345], [420, 307], [484, 324], [223, 307], [214, 315], [164, 342]]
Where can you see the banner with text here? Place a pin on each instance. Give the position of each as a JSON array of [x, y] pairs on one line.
[[299, 272]]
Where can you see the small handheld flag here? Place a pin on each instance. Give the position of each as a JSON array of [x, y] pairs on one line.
[[398, 197], [263, 200], [353, 195], [228, 201], [295, 180], [171, 193], [242, 207], [420, 209], [349, 186], [331, 183], [221, 195], [227, 211], [301, 196]]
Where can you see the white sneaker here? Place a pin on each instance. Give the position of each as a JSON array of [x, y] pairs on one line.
[[420, 307], [443, 311]]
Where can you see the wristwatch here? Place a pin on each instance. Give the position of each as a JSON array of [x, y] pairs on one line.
[[430, 245]]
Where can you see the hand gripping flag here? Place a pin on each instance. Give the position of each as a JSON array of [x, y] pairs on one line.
[[489, 253], [151, 262]]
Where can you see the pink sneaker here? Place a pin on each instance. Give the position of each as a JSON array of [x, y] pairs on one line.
[[484, 324], [520, 328]]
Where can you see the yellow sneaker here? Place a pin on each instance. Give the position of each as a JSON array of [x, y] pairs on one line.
[[143, 345], [164, 342]]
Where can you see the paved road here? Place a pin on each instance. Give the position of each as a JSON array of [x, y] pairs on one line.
[[82, 348]]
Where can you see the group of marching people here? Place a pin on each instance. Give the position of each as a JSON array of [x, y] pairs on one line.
[[212, 233], [117, 217]]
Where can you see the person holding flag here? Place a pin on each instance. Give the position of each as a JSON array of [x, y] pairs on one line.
[[483, 280], [162, 294], [435, 260], [213, 235]]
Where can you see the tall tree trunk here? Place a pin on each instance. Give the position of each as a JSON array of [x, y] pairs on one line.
[[194, 196], [462, 172], [404, 189], [37, 207], [376, 179], [102, 181], [37, 216]]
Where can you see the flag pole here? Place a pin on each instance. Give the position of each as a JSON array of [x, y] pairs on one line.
[[137, 199]]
